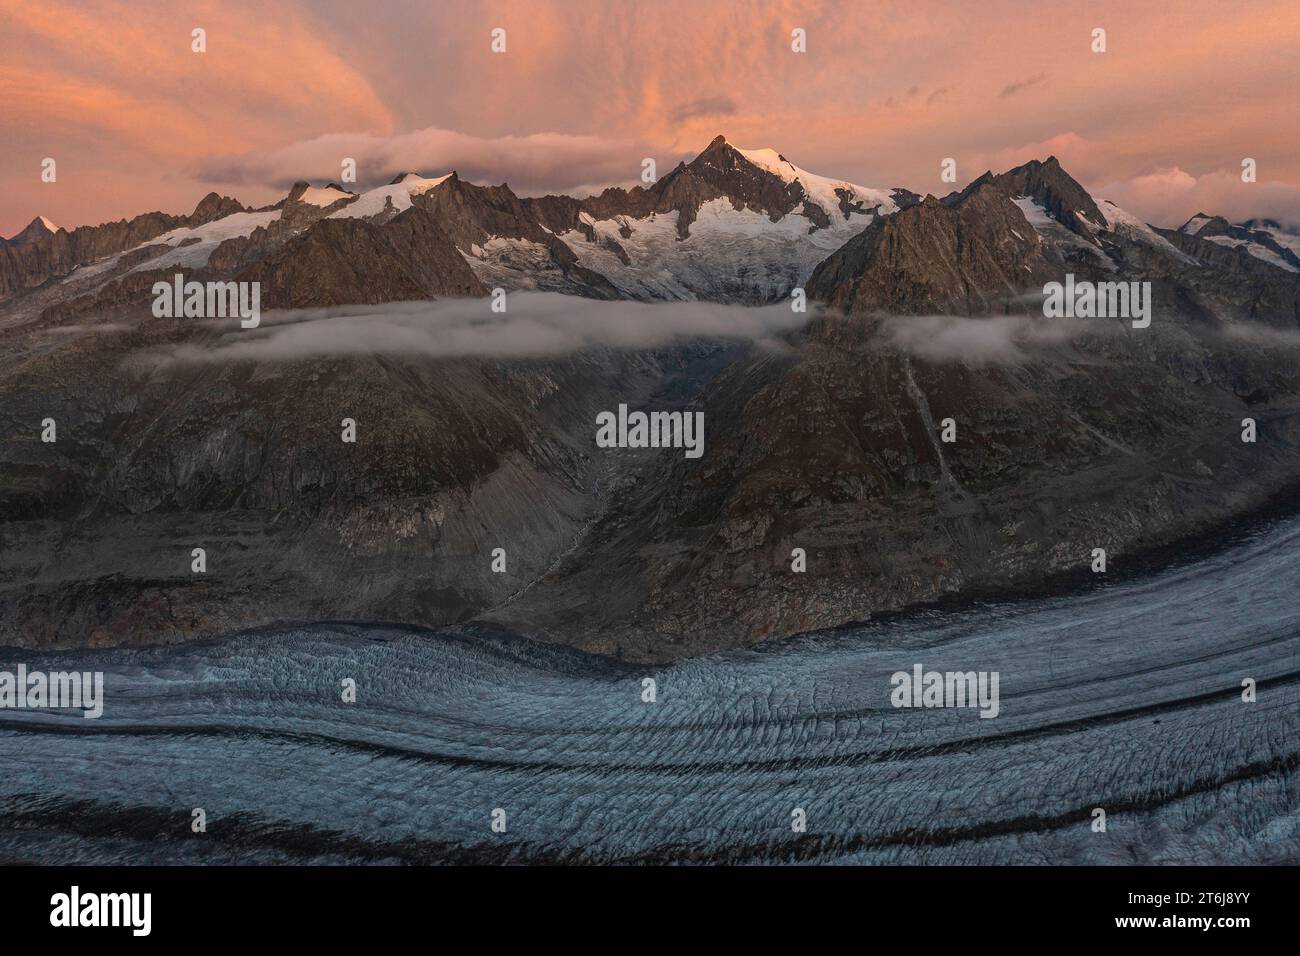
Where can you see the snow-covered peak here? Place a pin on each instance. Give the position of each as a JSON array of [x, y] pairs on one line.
[[1195, 224], [373, 201], [770, 160], [820, 189], [322, 195], [38, 228]]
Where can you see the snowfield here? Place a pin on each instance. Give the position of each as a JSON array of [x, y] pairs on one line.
[[729, 253], [1256, 250], [820, 189], [209, 236], [373, 201]]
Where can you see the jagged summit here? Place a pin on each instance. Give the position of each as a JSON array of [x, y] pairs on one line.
[[766, 179], [734, 223], [214, 206], [1050, 186], [38, 228], [975, 252]]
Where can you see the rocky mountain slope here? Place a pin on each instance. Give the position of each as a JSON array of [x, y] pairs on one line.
[[1070, 435]]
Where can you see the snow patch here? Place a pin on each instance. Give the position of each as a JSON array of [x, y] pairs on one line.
[[729, 253], [1255, 249], [323, 195], [1117, 220], [1287, 240], [209, 235], [1050, 230], [819, 189], [373, 201], [1036, 214]]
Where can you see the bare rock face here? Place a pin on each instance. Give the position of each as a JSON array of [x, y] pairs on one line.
[[349, 261], [473, 214], [1232, 281], [36, 230], [212, 207], [934, 258], [245, 460]]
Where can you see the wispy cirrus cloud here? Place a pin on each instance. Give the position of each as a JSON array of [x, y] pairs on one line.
[[538, 325]]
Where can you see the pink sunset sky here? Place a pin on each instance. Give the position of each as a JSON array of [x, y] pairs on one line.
[[586, 88]]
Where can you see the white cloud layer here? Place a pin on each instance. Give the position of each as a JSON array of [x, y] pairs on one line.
[[537, 325]]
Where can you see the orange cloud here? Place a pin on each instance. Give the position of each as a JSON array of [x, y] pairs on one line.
[[1169, 197], [266, 75], [885, 91]]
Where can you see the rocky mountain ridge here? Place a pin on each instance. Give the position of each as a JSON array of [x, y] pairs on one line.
[[618, 244], [1070, 435]]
